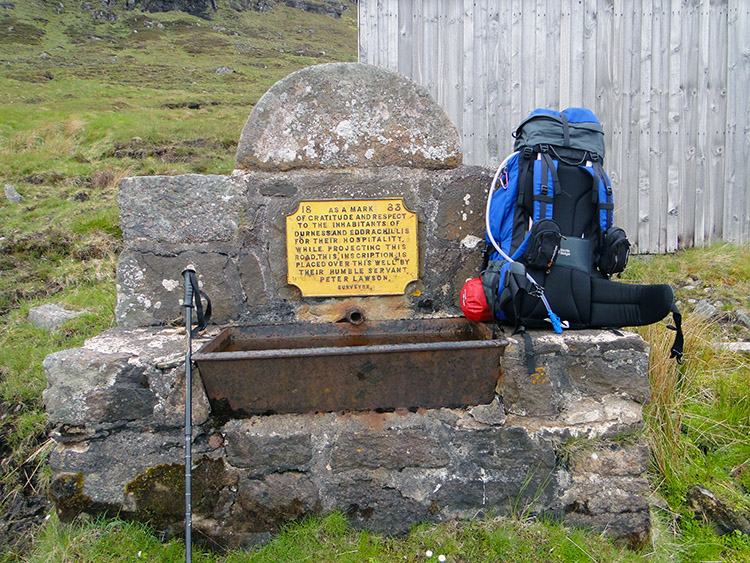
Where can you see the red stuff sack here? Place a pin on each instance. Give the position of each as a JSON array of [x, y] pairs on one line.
[[473, 302]]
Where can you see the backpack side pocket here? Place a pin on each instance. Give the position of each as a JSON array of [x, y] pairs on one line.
[[615, 250], [544, 245]]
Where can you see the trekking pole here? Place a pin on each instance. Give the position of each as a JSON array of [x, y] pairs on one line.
[[538, 290], [193, 294], [188, 275]]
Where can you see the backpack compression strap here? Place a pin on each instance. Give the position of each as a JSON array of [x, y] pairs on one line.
[[605, 208], [679, 339], [566, 129], [518, 284]]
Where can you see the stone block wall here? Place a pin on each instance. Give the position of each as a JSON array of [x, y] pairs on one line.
[[562, 441], [233, 230], [118, 401]]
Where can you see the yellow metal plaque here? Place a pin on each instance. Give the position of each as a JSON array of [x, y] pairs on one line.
[[352, 247]]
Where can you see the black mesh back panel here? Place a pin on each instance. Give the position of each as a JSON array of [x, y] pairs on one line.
[[574, 209]]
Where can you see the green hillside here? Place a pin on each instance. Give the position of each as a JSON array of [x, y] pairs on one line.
[[83, 103]]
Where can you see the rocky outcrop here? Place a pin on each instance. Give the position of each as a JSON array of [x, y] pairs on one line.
[[204, 8], [331, 8], [51, 316], [200, 8]]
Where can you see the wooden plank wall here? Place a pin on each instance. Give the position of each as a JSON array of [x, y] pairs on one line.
[[669, 80]]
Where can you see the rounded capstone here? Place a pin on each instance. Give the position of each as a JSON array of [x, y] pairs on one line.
[[344, 115]]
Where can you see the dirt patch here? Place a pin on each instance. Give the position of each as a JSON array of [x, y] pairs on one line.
[[185, 151], [38, 179], [205, 42], [12, 298], [18, 32], [17, 253], [33, 76], [47, 245], [24, 505], [23, 514], [190, 105]]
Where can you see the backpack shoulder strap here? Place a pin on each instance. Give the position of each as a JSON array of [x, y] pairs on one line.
[[549, 185], [545, 182], [525, 163]]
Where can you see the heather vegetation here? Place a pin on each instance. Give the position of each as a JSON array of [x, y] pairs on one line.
[[85, 102]]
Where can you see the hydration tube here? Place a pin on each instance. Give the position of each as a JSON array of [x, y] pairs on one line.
[[552, 317]]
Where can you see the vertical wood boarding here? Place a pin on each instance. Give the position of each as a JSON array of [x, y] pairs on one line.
[[737, 209], [671, 136], [668, 79], [470, 88]]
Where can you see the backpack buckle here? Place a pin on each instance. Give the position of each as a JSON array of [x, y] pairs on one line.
[[544, 148], [535, 290], [528, 152]]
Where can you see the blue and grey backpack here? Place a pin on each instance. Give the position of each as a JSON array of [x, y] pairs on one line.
[[551, 243]]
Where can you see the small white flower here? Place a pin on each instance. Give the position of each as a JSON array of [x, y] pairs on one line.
[[441, 558], [139, 554], [428, 554]]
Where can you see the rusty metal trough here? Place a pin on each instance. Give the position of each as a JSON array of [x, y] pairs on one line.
[[355, 365]]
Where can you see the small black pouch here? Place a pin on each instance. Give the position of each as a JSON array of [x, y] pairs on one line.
[[544, 245], [615, 250]]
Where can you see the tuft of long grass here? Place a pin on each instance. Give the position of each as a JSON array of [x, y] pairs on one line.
[[672, 387]]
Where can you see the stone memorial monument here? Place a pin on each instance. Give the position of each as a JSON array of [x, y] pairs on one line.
[[348, 203]]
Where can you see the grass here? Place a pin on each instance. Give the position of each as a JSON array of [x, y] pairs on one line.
[[702, 408], [84, 103], [698, 420], [331, 539]]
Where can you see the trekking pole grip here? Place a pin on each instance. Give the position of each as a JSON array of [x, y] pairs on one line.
[[188, 275]]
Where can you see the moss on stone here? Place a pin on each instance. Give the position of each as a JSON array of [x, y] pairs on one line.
[[67, 492], [159, 494], [209, 477]]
